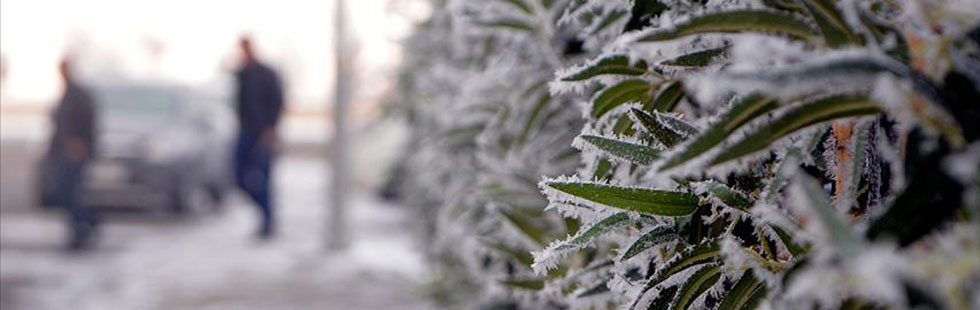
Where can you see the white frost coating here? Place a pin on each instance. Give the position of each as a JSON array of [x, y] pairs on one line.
[[558, 86], [875, 274], [965, 166], [751, 51], [549, 257], [786, 82], [458, 180]]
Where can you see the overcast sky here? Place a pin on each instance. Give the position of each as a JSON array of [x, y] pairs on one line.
[[193, 41]]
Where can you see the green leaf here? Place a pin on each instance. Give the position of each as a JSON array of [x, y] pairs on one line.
[[667, 129], [657, 236], [616, 64], [524, 284], [520, 5], [740, 113], [697, 59], [747, 293], [597, 289], [668, 98], [730, 197], [696, 285], [539, 106], [693, 255], [642, 200], [785, 5], [736, 21], [702, 253], [522, 256], [602, 169], [635, 153], [785, 238], [864, 67], [817, 201], [526, 227], [831, 23], [619, 94], [664, 297], [609, 20], [513, 24], [861, 136], [789, 164], [796, 118], [583, 237]]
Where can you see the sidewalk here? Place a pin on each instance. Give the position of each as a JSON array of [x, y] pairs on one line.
[[211, 261]]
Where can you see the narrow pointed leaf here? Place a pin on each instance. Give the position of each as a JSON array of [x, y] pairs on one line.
[[668, 98], [787, 241], [635, 153], [831, 22], [697, 285], [734, 22], [522, 256], [664, 297], [585, 236], [697, 59], [835, 227], [520, 5], [619, 94], [746, 294], [596, 289], [669, 130], [524, 284], [642, 200], [785, 5], [797, 118], [657, 236], [701, 253], [730, 197], [698, 254], [740, 113], [609, 20], [512, 24], [539, 106], [526, 227], [616, 64]]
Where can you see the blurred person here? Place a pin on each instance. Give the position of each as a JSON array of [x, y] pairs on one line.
[[259, 98], [71, 148]]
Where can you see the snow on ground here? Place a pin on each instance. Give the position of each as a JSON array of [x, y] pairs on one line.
[[211, 261]]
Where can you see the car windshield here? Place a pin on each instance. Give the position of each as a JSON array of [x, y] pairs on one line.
[[139, 102]]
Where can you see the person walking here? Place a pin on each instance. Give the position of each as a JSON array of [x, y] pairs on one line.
[[71, 148], [259, 98]]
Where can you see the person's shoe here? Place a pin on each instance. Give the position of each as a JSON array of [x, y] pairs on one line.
[[82, 239], [266, 233]]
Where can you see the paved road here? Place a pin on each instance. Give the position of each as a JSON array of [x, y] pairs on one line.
[[208, 261]]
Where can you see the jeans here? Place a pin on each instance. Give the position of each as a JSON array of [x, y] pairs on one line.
[[253, 167], [80, 218]]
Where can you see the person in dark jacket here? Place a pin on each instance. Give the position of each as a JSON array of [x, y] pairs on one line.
[[71, 149], [259, 98]]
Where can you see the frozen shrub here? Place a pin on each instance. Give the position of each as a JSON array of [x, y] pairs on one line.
[[775, 154]]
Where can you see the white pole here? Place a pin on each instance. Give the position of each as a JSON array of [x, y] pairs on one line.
[[337, 238]]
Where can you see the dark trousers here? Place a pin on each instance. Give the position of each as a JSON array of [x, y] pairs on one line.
[[80, 218], [253, 172]]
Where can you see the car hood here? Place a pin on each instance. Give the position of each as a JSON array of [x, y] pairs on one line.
[[128, 136]]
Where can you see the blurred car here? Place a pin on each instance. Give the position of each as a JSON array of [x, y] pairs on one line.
[[158, 146]]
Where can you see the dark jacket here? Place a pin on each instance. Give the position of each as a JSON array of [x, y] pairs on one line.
[[259, 98], [74, 117]]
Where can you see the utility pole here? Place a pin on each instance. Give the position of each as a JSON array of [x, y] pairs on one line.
[[337, 238]]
